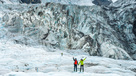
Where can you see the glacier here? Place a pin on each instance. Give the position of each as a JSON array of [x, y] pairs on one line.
[[77, 2], [35, 35], [63, 26]]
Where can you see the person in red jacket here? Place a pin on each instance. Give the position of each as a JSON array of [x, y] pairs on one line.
[[75, 64]]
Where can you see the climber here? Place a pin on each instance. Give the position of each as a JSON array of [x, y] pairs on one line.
[[82, 64], [75, 64]]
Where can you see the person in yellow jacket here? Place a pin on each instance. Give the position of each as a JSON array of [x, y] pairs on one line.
[[82, 64]]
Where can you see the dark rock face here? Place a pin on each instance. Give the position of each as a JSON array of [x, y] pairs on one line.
[[31, 1], [1, 1], [102, 2], [134, 27]]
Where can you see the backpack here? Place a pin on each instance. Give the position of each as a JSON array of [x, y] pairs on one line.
[[76, 62]]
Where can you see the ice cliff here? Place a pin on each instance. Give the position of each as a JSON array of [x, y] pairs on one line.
[[107, 31]]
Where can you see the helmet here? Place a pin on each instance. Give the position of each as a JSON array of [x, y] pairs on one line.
[[82, 59], [75, 58]]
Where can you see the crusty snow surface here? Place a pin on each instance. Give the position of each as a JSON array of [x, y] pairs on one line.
[[21, 60]]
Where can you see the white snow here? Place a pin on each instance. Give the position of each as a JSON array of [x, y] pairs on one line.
[[58, 74], [20, 60], [77, 2], [10, 1], [114, 1]]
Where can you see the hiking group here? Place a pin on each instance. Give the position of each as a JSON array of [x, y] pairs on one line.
[[81, 63]]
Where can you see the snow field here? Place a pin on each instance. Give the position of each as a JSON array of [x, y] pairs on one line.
[[20, 60]]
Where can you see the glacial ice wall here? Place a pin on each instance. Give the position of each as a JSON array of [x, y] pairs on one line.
[[77, 2], [99, 30]]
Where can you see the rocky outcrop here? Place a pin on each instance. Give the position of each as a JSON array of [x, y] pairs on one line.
[[31, 1], [102, 2]]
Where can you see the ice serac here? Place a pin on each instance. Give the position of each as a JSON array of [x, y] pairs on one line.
[[107, 31], [10, 1], [123, 22]]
